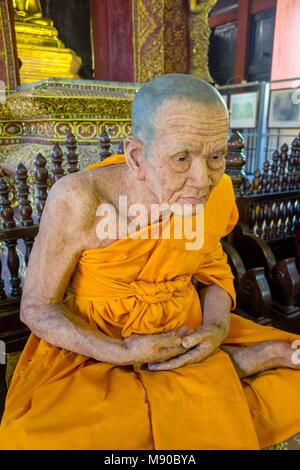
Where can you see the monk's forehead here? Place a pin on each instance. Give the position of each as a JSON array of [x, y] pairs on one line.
[[185, 116], [173, 109]]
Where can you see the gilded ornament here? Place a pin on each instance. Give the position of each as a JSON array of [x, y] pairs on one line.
[[199, 37], [30, 11], [42, 53]]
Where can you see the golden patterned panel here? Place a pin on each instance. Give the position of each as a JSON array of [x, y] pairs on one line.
[[8, 71], [147, 19], [68, 98]]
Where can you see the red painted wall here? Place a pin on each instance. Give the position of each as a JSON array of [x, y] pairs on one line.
[[113, 40], [285, 61]]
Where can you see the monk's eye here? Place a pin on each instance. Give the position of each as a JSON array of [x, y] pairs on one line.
[[181, 163], [216, 161]]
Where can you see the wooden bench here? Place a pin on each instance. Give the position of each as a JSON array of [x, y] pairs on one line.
[[269, 214]]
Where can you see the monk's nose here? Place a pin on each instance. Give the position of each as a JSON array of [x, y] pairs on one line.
[[199, 175]]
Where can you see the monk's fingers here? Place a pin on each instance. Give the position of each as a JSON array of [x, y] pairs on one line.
[[196, 338], [167, 340], [184, 331], [197, 354], [167, 353], [179, 361]]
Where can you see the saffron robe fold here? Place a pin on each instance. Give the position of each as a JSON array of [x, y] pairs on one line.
[[61, 400]]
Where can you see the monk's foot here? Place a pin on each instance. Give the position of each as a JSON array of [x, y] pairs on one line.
[[263, 356]]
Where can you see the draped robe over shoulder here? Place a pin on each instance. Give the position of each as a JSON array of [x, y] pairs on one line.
[[62, 400]]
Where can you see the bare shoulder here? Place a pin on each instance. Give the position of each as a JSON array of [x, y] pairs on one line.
[[79, 186], [70, 212]]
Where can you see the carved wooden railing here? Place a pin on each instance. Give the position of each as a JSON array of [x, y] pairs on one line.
[[20, 225], [269, 214]]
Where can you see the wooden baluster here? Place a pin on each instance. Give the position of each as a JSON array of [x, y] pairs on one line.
[[256, 182], [2, 285], [274, 168], [283, 216], [57, 160], [7, 214], [291, 165], [104, 146], [25, 209], [41, 176], [281, 176], [120, 148], [272, 223], [235, 160], [292, 170], [252, 216], [260, 219], [294, 215], [247, 188], [265, 177], [72, 156], [290, 215], [298, 212], [284, 158], [275, 232], [268, 218], [296, 155]]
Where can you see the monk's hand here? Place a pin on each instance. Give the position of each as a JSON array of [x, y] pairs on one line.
[[199, 345], [141, 349]]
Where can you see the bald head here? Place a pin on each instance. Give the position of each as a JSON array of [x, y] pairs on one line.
[[165, 88]]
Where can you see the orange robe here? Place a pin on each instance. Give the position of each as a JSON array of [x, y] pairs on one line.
[[62, 400]]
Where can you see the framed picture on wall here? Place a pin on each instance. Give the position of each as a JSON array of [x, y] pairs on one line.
[[284, 110], [243, 110]]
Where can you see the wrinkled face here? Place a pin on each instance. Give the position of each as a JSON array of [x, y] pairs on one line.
[[186, 160]]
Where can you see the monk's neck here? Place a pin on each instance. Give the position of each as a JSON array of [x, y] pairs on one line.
[[136, 191]]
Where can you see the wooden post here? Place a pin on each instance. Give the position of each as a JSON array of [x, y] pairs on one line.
[[242, 41]]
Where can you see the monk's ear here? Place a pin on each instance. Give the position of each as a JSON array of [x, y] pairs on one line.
[[133, 150]]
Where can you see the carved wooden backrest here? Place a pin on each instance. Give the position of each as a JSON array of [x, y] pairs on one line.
[[270, 205], [21, 214]]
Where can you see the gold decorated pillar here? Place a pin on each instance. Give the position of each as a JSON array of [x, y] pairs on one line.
[[9, 70], [199, 38], [160, 38]]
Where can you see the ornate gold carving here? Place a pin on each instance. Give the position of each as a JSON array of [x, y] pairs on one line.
[[37, 35], [148, 39], [39, 63], [8, 75], [197, 5], [57, 98], [159, 38], [47, 111], [199, 38]]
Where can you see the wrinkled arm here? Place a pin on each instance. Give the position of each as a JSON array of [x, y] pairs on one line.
[[62, 236], [216, 303], [54, 256]]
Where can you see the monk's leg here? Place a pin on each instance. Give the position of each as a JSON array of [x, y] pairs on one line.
[[263, 356]]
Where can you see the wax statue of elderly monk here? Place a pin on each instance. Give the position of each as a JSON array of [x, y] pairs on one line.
[[124, 352]]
